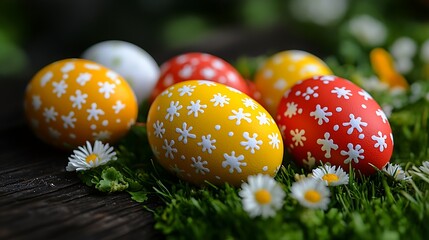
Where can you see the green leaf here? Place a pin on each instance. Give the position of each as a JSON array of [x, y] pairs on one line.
[[111, 181], [139, 196]]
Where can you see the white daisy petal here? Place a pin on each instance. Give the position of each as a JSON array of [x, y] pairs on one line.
[[86, 157], [311, 193], [425, 167], [261, 196], [330, 175], [395, 171]]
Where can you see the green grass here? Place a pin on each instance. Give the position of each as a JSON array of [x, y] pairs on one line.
[[374, 207]]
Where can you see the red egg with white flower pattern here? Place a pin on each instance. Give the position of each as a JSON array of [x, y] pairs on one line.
[[197, 65], [329, 119]]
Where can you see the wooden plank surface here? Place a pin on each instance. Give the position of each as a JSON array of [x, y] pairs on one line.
[[40, 200]]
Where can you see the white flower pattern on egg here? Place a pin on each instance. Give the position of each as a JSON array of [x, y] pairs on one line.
[[50, 114], [219, 99], [208, 73], [207, 143], [365, 94], [353, 153], [321, 114], [221, 141], [263, 119], [327, 144], [298, 137], [206, 83], [78, 99], [249, 103], [106, 89], [184, 133], [240, 115], [94, 112], [355, 114], [169, 149], [195, 108], [274, 140], [173, 110], [198, 164], [59, 88], [65, 87], [46, 78], [380, 141], [187, 89], [36, 102], [118, 106], [310, 161], [355, 123], [83, 78], [342, 92], [251, 142], [186, 71], [326, 79], [233, 162], [381, 114], [159, 129], [91, 66], [69, 120], [292, 109], [309, 92]]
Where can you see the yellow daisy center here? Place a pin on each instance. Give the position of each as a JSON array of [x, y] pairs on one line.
[[91, 158], [312, 196], [263, 196], [330, 177]]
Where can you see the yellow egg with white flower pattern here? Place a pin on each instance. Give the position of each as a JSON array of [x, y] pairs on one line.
[[282, 70], [72, 101], [206, 131]]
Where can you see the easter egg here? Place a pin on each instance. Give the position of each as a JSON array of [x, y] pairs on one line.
[[254, 91], [195, 65], [133, 63], [72, 101], [206, 131], [329, 119], [282, 70]]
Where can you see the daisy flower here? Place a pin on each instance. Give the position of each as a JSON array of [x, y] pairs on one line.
[[261, 196], [403, 47], [368, 30], [86, 157], [330, 175], [425, 167], [322, 12], [311, 193], [395, 171]]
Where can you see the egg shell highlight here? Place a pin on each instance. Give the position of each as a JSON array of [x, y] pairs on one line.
[[72, 101], [332, 120], [207, 131], [196, 65], [133, 63], [282, 70]]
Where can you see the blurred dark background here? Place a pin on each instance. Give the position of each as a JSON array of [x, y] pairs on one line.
[[35, 33]]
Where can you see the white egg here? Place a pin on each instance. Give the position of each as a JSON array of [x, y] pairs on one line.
[[129, 60]]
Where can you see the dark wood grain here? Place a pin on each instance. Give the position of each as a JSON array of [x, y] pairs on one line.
[[40, 200]]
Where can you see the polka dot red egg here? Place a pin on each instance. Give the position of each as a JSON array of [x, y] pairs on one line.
[[330, 119], [196, 65]]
